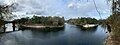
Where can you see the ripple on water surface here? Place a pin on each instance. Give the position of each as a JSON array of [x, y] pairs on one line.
[[71, 35]]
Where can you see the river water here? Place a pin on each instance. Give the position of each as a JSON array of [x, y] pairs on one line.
[[71, 35]]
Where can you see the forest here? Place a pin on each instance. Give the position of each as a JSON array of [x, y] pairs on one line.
[[83, 20], [42, 20]]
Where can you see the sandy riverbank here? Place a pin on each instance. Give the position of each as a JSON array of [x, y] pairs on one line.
[[40, 26]]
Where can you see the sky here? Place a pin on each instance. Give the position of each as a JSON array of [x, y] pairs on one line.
[[67, 8]]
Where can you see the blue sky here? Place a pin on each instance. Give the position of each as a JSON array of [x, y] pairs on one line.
[[66, 8]]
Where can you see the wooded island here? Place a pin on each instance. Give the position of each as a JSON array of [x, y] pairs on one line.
[[38, 22]]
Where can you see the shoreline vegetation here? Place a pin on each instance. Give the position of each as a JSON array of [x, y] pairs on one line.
[[114, 22], [86, 23], [83, 20], [114, 35], [38, 22]]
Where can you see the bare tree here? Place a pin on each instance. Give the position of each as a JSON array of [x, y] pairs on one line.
[[5, 11], [115, 6]]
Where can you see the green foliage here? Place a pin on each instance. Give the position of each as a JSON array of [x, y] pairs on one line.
[[50, 21], [83, 20]]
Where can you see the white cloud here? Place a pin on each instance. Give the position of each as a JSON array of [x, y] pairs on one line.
[[72, 5], [88, 8], [67, 8], [9, 2]]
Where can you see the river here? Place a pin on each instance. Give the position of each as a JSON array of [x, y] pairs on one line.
[[71, 35]]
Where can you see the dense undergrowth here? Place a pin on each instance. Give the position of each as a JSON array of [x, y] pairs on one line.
[[114, 22]]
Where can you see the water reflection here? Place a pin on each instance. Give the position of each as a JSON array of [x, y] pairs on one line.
[[71, 35]]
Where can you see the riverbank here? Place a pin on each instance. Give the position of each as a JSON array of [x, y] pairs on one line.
[[107, 40], [88, 26], [41, 27], [114, 36], [113, 39]]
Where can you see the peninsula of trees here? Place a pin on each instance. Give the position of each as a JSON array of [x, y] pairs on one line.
[[42, 21], [83, 20]]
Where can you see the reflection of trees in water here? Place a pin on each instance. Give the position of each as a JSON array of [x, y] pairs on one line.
[[46, 29], [46, 34], [104, 26]]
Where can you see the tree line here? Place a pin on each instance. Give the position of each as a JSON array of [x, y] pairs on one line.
[[83, 20], [42, 20]]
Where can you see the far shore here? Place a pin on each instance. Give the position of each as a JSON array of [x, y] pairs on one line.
[[40, 26]]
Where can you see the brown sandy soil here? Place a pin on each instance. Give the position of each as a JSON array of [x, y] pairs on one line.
[[39, 26], [113, 40], [114, 37]]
